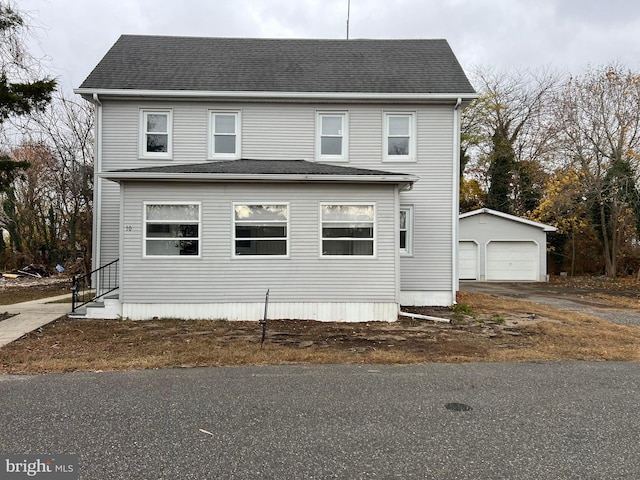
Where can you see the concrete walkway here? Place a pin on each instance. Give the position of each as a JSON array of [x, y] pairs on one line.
[[30, 315]]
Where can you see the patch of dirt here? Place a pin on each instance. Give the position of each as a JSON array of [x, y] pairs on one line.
[[482, 327], [72, 344]]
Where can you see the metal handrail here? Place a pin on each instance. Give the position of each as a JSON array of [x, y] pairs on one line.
[[83, 291]]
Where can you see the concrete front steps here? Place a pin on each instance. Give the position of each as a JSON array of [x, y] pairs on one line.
[[107, 307]]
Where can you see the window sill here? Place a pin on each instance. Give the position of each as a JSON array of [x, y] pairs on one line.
[[155, 157], [400, 160], [223, 157], [342, 257], [165, 257], [332, 159], [261, 257]]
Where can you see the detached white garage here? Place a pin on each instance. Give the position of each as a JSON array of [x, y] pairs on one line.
[[468, 260], [496, 246]]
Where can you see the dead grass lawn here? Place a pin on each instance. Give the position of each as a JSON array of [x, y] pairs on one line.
[[497, 330], [25, 289]]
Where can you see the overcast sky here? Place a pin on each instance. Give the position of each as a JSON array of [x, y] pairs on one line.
[[568, 35]]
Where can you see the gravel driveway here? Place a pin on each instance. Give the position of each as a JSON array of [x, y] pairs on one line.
[[561, 297]]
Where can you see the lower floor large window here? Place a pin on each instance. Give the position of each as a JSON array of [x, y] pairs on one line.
[[261, 229], [172, 229], [348, 229]]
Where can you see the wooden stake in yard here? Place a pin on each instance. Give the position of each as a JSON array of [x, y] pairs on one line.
[[263, 322]]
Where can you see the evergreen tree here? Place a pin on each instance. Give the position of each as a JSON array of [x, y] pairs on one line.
[[500, 173]]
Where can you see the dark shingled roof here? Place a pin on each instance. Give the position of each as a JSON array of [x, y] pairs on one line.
[[262, 167], [279, 65]]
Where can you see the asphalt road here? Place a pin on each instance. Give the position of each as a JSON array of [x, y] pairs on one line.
[[574, 420]]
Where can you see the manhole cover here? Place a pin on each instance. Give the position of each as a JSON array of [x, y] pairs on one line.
[[458, 407]]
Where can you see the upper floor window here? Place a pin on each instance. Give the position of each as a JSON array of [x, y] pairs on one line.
[[171, 229], [406, 230], [348, 229], [400, 137], [155, 133], [224, 141], [261, 229], [332, 138]]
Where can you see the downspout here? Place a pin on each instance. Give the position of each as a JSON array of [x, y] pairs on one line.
[[97, 183], [396, 249], [455, 213]]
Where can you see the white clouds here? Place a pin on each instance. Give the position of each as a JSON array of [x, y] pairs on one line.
[[566, 34], [299, 19]]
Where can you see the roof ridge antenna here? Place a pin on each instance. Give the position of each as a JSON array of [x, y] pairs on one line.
[[348, 15]]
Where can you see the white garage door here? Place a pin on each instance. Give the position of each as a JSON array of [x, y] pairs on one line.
[[512, 261], [467, 260]]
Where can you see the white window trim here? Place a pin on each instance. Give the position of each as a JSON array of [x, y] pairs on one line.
[[144, 230], [211, 154], [408, 251], [344, 157], [412, 157], [233, 230], [375, 230], [142, 140]]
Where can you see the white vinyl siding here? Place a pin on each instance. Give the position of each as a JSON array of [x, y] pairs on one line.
[[225, 134], [261, 230], [429, 268], [219, 277], [109, 223], [287, 131], [332, 136], [155, 134], [325, 311]]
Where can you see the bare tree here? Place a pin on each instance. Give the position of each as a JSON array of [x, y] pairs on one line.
[[64, 133], [506, 124], [24, 88], [598, 131], [22, 93]]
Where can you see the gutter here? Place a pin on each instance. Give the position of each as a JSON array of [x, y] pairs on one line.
[[332, 96], [256, 178]]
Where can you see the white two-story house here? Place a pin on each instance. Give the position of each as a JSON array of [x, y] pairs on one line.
[[324, 171]]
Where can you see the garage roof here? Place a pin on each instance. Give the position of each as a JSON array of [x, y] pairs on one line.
[[488, 211]]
